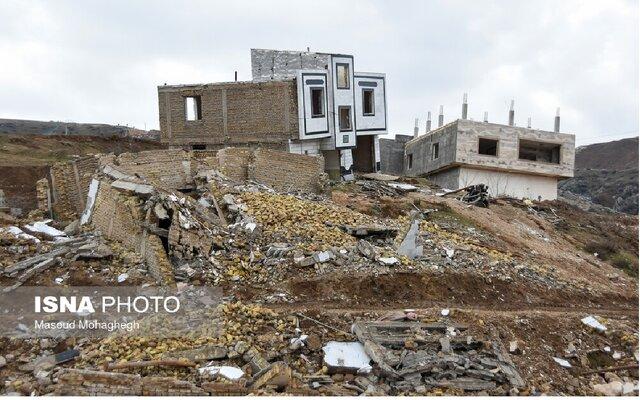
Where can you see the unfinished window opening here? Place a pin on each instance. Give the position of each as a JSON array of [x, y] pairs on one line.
[[488, 147], [539, 151], [409, 161], [435, 151], [199, 147], [165, 224], [368, 102], [344, 113], [342, 73], [317, 102], [193, 108]]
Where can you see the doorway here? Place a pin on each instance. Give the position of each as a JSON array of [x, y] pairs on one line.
[[364, 154]]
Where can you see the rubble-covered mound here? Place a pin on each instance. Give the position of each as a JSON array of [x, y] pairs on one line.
[[384, 286]]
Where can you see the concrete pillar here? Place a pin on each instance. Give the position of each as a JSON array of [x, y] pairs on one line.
[[556, 125], [428, 127], [464, 106], [529, 122], [511, 114], [332, 164], [441, 117], [486, 116], [416, 128]]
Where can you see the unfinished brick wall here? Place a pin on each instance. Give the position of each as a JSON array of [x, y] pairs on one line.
[[285, 171], [233, 114], [70, 181], [167, 168], [233, 162]]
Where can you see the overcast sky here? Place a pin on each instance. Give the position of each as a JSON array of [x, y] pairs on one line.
[[100, 61]]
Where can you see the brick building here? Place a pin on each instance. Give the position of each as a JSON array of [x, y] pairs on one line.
[[300, 102]]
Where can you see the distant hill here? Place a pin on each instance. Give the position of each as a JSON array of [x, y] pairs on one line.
[[606, 175], [612, 156], [48, 128]]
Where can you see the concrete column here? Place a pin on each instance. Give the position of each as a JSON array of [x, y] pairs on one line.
[[556, 125], [441, 117], [464, 106], [416, 129], [428, 127], [486, 116], [511, 114]]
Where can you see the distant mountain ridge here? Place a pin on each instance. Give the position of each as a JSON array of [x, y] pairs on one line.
[[612, 156], [606, 175], [49, 128]]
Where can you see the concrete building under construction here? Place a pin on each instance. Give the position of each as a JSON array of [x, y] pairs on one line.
[[512, 161]]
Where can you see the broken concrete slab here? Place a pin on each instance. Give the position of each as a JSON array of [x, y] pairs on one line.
[[409, 246], [376, 176], [592, 322], [42, 227], [403, 187], [345, 356], [467, 384], [230, 373], [91, 199], [137, 188]]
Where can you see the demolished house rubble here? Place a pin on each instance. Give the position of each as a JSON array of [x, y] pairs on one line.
[[178, 219]]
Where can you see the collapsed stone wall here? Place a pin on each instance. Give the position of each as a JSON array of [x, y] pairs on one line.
[[79, 382], [70, 185], [120, 217], [42, 195]]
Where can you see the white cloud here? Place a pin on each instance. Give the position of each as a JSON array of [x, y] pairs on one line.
[[95, 61]]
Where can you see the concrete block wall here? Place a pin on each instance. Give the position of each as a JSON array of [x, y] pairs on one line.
[[508, 148], [392, 154], [233, 114], [269, 65], [421, 149], [285, 171]]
